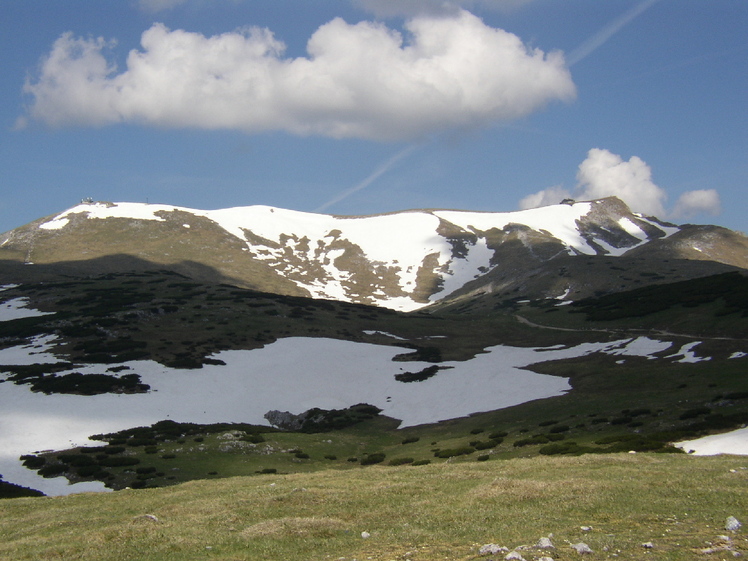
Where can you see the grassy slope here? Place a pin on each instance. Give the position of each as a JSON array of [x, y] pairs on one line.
[[446, 511]]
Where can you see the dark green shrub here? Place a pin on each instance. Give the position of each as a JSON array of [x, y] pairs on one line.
[[559, 428], [331, 457], [111, 450], [485, 445], [149, 469], [254, 438], [477, 431], [421, 463], [33, 462], [483, 457], [411, 440], [302, 455], [375, 458], [536, 439], [401, 461], [497, 435], [168, 456], [452, 452], [52, 470]]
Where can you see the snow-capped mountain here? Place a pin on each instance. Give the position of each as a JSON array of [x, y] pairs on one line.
[[403, 261]]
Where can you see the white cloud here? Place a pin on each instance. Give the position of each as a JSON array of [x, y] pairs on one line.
[[701, 201], [359, 81], [550, 196], [604, 174]]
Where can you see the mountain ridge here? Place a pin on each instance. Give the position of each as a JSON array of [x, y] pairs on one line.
[[404, 260]]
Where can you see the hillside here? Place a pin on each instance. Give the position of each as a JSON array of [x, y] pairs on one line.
[[622, 506], [403, 261]]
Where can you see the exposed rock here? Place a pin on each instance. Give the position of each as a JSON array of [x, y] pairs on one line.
[[514, 556], [365, 535], [544, 543], [492, 549], [648, 545], [581, 548], [732, 524]]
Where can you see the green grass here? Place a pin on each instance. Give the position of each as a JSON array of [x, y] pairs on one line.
[[444, 511]]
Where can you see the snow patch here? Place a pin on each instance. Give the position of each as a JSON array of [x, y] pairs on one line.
[[18, 308], [734, 442]]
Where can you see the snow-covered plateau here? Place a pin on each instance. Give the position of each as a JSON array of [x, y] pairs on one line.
[[292, 374]]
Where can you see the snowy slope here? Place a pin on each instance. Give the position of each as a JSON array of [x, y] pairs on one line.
[[403, 260]]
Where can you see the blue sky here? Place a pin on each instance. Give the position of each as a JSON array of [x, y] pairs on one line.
[[367, 106]]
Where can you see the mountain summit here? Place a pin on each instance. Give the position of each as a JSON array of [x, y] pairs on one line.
[[404, 261]]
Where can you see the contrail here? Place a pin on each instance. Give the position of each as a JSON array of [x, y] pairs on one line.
[[383, 168], [598, 39]]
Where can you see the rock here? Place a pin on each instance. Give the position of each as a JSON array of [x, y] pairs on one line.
[[648, 545], [514, 556], [492, 549], [581, 548], [585, 528], [544, 543], [365, 535], [732, 524], [546, 559]]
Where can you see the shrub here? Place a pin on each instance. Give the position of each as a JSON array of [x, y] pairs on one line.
[[302, 455], [33, 462], [498, 435], [375, 458], [421, 463], [400, 461], [111, 450], [483, 457], [52, 470], [168, 456], [331, 457], [148, 469], [477, 431], [411, 440], [559, 428], [537, 439]]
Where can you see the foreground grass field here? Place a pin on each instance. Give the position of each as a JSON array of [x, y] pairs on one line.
[[676, 504]]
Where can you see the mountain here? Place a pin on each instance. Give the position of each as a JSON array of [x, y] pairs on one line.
[[403, 261]]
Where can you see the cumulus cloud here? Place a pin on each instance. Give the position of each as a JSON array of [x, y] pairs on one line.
[[701, 201], [604, 174], [359, 81]]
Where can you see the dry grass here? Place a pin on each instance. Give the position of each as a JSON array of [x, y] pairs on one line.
[[443, 511]]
